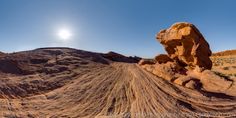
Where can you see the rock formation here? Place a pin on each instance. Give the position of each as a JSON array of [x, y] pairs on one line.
[[162, 58], [185, 44], [146, 61], [187, 62]]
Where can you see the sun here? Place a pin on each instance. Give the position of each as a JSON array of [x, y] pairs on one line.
[[64, 34]]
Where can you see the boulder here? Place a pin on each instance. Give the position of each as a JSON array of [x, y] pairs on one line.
[[162, 58], [182, 80], [194, 84], [185, 44], [166, 71], [146, 61]]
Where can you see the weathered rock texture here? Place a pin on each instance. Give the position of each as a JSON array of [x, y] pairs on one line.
[[162, 58], [188, 61], [185, 44], [70, 83]]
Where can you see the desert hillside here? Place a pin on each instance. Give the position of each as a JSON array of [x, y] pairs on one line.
[[225, 53], [225, 63], [64, 82]]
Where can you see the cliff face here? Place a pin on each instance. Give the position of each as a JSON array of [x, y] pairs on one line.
[[64, 82]]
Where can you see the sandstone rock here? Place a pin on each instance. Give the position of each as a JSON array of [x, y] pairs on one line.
[[184, 43], [166, 71], [214, 83], [162, 58], [193, 84], [182, 80], [149, 68], [146, 61], [10, 66]]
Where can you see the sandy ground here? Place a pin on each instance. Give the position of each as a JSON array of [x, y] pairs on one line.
[[225, 65], [89, 88]]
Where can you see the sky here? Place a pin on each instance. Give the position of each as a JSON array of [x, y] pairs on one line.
[[124, 26]]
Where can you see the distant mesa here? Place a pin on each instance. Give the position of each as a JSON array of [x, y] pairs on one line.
[[113, 56], [225, 53]]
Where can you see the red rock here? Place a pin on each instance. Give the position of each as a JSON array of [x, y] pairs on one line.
[[184, 43], [162, 58], [166, 71]]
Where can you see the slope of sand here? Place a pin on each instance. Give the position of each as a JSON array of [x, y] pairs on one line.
[[69, 83]]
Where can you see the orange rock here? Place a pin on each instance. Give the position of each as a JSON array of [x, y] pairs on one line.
[[184, 43], [214, 83], [193, 84], [162, 58], [166, 71], [181, 80], [146, 61]]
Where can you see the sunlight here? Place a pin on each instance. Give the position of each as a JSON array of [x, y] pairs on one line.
[[64, 34]]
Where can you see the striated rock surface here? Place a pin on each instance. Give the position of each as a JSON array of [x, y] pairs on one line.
[[184, 43], [70, 83]]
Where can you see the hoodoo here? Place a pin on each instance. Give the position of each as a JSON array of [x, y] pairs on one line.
[[184, 43]]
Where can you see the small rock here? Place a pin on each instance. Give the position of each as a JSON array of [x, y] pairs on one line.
[[181, 80], [146, 61], [163, 58], [193, 84]]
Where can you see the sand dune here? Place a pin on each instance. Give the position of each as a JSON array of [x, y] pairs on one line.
[[69, 83]]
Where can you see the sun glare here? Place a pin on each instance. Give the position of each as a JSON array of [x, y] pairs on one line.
[[64, 34]]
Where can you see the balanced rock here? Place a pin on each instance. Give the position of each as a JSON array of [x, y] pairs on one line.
[[185, 44]]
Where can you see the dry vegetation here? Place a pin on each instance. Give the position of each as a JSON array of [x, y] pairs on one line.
[[225, 65]]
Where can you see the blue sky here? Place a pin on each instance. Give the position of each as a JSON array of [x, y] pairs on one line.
[[124, 26]]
